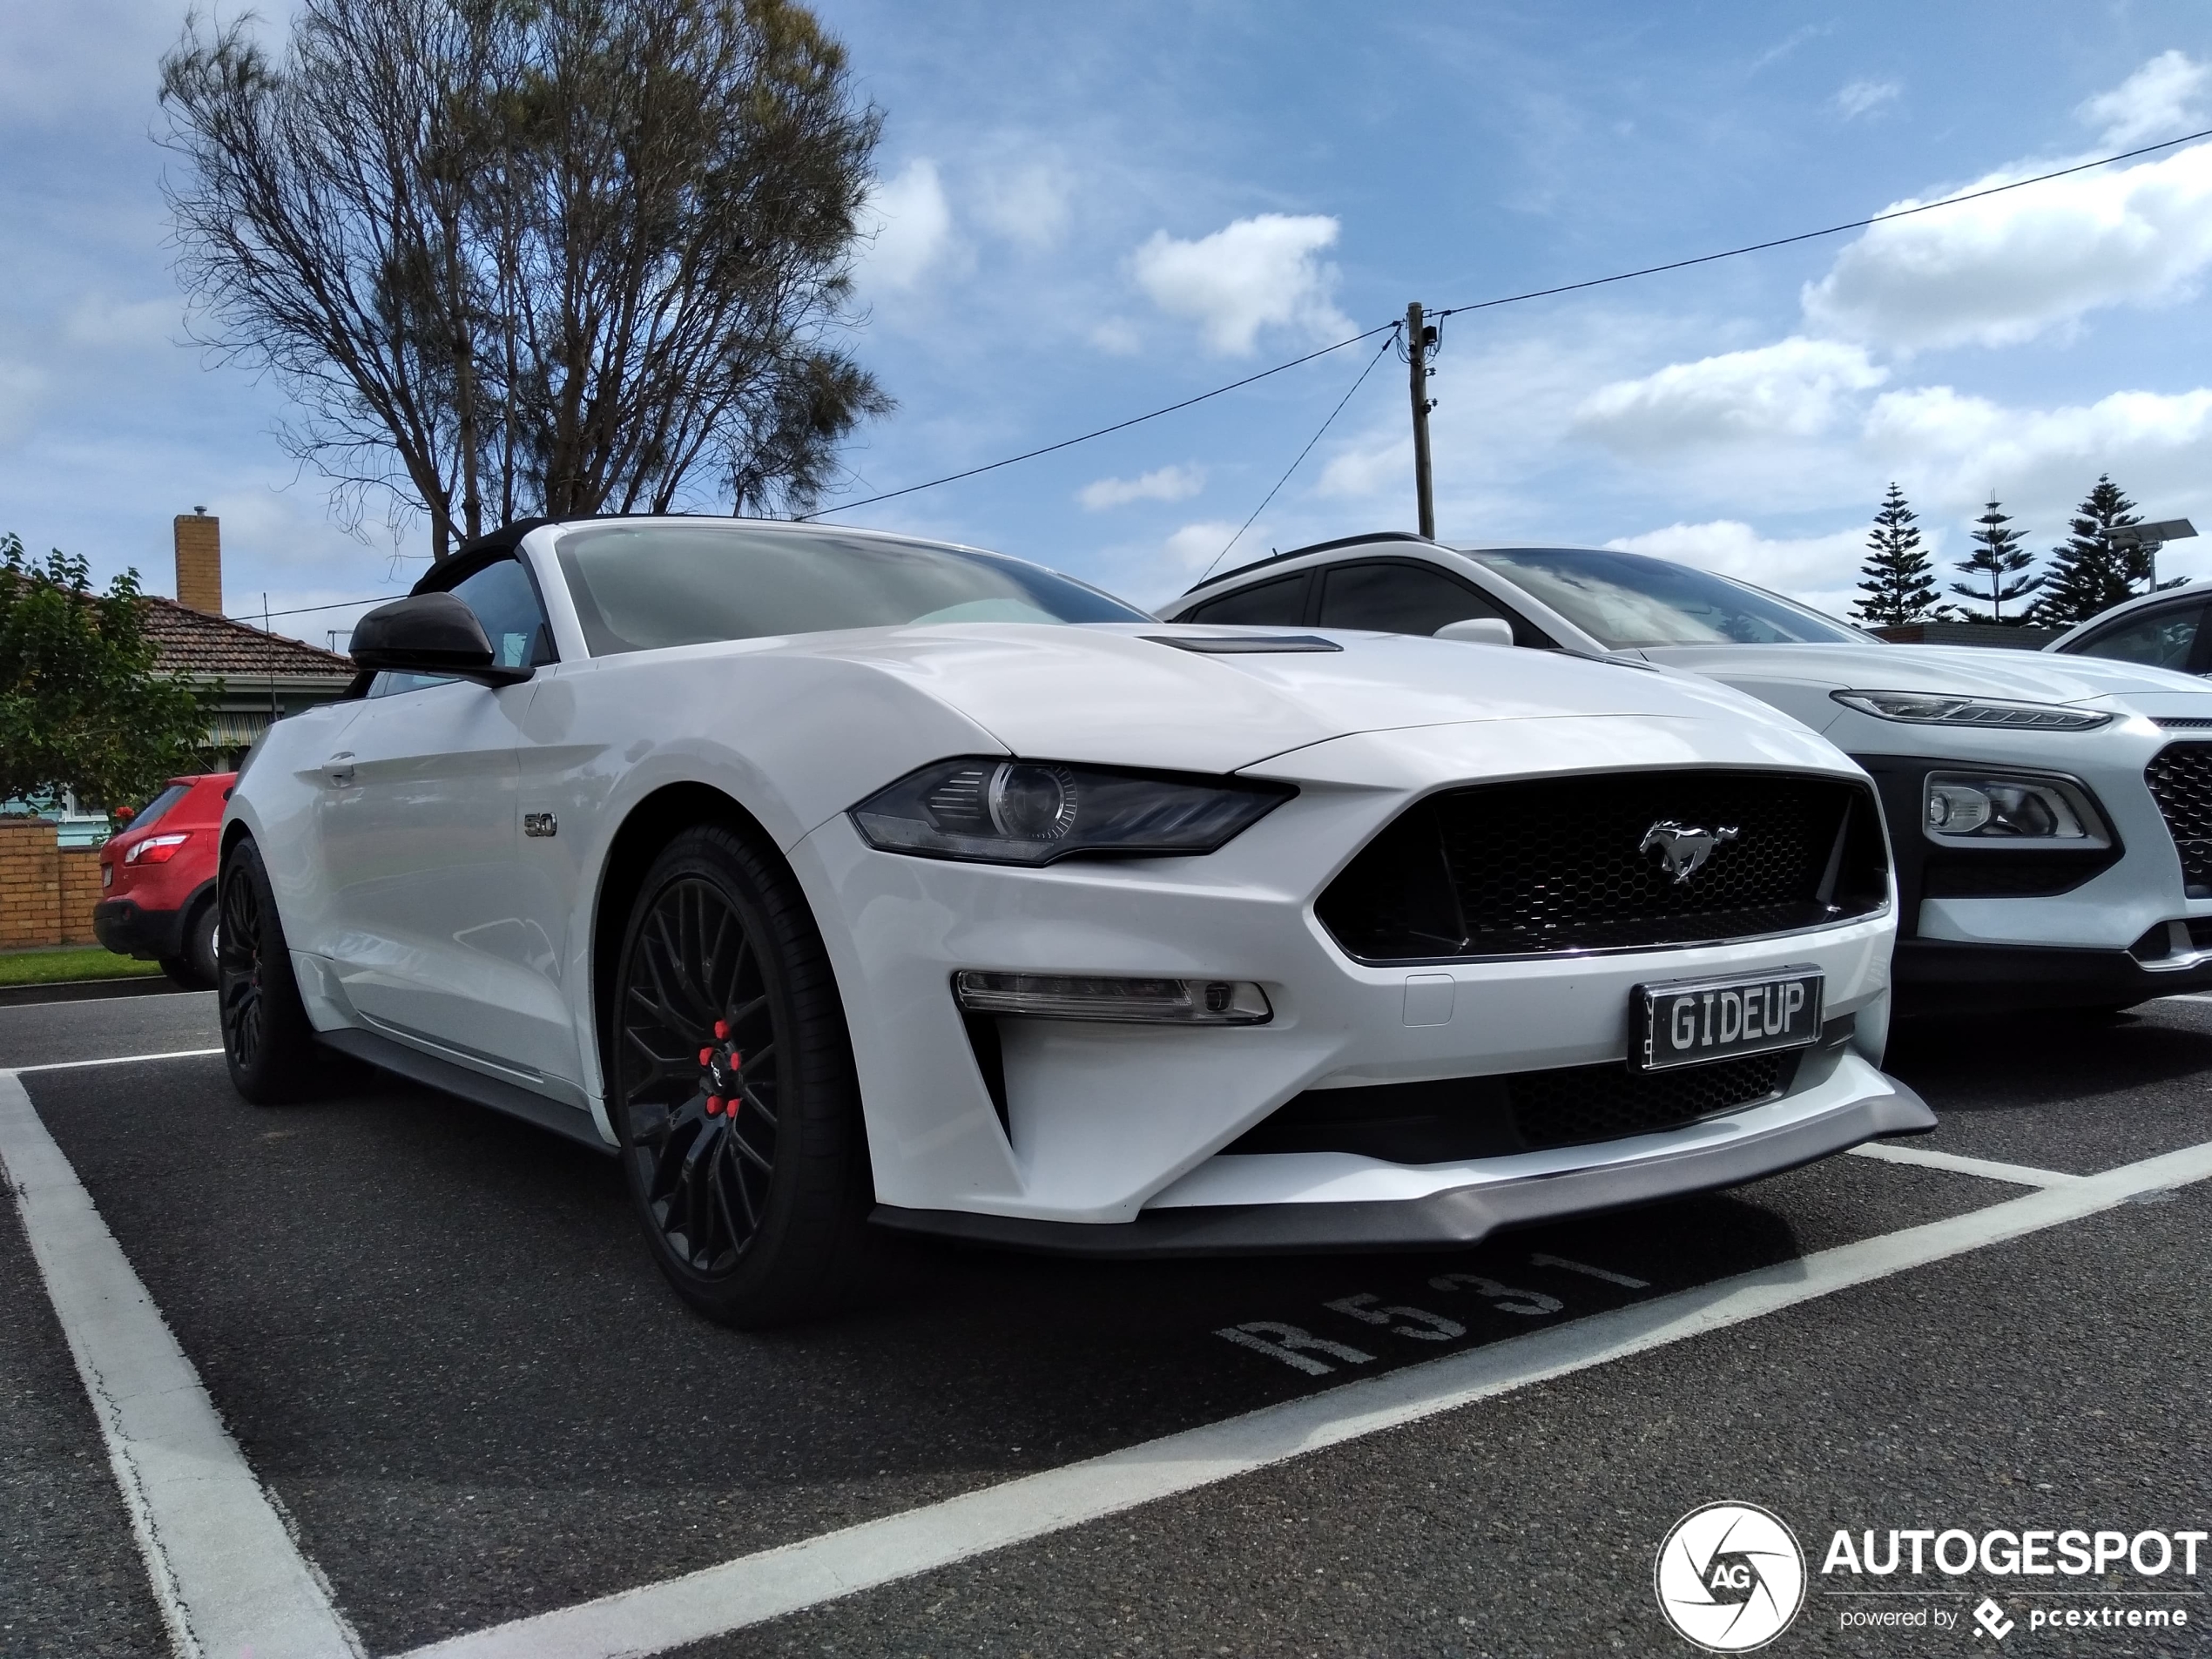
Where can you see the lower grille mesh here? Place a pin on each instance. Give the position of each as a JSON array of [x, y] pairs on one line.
[[1583, 1105], [1480, 1118]]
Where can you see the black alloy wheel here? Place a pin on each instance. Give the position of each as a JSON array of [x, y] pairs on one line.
[[731, 1087], [267, 1042], [699, 1085]]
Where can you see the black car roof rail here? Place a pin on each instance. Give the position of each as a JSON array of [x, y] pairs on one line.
[[1316, 547]]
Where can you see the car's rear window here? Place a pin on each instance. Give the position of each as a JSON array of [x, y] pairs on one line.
[[154, 809], [647, 586]]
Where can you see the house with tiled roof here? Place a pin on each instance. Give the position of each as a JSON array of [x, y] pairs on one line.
[[264, 676], [256, 676]]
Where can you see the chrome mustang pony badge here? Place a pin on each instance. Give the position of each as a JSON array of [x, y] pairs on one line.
[[1683, 848]]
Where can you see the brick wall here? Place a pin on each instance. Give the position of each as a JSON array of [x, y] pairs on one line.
[[80, 890], [29, 883]]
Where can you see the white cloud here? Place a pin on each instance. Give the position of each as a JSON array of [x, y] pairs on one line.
[[1860, 97], [2006, 269], [1117, 336], [909, 225], [1167, 483], [1028, 206], [1794, 388], [23, 387], [1963, 446], [1366, 467], [1195, 546], [1255, 274], [2158, 100], [106, 324]]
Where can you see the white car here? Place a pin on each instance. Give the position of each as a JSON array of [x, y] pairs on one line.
[[829, 876], [2051, 816]]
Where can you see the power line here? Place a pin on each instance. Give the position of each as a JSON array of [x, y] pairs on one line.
[[301, 610], [1302, 454], [1118, 425], [1392, 328], [1832, 229]]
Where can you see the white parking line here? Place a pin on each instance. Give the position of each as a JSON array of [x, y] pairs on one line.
[[226, 1572], [2019, 1174], [755, 1589], [115, 1060]]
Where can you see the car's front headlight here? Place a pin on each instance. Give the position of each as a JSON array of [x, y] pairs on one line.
[[1986, 807], [1933, 708], [1035, 811]]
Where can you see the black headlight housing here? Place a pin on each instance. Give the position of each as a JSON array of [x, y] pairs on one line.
[[990, 809]]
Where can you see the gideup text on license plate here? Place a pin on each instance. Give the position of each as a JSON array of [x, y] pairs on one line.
[[1689, 1021]]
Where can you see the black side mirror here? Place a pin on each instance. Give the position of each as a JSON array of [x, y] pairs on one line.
[[429, 633]]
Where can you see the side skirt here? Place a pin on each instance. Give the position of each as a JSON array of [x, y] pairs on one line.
[[412, 1063]]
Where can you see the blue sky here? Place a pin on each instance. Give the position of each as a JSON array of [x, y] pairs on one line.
[[1085, 213]]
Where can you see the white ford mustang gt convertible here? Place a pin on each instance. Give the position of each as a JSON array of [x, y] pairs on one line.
[[828, 877], [2052, 816]]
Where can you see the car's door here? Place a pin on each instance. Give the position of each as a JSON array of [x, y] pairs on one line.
[[2161, 637], [419, 829]]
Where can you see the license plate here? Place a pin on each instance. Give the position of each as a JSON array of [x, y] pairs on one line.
[[1691, 1022]]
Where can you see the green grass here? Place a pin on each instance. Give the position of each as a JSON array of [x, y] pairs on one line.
[[72, 962]]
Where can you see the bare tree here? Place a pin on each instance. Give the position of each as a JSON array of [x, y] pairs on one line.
[[517, 256]]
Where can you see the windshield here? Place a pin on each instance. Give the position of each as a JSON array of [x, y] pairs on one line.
[[641, 587], [1626, 600]]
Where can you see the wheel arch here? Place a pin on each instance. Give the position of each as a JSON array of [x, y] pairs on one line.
[[651, 824]]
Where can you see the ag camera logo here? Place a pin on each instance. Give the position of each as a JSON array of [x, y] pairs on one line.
[[1731, 1577]]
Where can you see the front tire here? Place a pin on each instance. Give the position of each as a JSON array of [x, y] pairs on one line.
[[267, 1042], [731, 1088]]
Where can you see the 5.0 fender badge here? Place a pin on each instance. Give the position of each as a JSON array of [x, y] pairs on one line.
[[540, 824]]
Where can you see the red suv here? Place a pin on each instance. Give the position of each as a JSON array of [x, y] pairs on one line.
[[158, 879]]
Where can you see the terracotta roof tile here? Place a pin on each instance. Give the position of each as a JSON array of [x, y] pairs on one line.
[[192, 641]]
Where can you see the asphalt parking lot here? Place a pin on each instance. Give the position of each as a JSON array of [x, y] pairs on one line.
[[446, 1359]]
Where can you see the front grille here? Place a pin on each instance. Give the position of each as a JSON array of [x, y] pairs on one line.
[[2181, 781], [1585, 1103], [1558, 864], [1481, 1118]]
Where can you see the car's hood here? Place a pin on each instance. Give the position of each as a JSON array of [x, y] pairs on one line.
[[1114, 695], [2026, 676]]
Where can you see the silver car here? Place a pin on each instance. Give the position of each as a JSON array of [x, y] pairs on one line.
[[2052, 816]]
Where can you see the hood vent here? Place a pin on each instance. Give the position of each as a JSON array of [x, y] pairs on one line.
[[1242, 645]]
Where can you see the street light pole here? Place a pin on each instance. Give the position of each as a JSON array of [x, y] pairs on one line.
[[2152, 537]]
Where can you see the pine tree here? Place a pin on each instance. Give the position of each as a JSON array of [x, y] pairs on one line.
[[1997, 566], [2088, 574], [1899, 584]]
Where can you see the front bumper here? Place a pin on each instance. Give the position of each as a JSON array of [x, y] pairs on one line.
[[1699, 1158], [123, 926], [1943, 976], [1058, 1120]]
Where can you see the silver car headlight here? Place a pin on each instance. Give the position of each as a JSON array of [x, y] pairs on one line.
[[1932, 708], [1981, 808], [1036, 811]]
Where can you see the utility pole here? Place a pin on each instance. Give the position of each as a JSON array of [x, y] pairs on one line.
[[1418, 338]]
